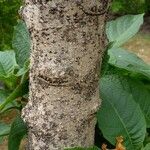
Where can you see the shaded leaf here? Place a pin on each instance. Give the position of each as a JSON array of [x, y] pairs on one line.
[[142, 96], [147, 147], [3, 95], [20, 90], [4, 129], [1, 139], [23, 70], [119, 114], [18, 130], [10, 82], [21, 43], [7, 63]]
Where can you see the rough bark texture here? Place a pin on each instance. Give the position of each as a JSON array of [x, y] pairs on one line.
[[67, 39]]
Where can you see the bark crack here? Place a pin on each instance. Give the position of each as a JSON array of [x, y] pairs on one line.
[[54, 82]]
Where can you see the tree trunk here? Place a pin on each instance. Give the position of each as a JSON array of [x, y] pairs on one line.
[[67, 43]]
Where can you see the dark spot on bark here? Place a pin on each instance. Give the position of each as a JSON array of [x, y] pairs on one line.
[[63, 135], [77, 88], [69, 35], [53, 10]]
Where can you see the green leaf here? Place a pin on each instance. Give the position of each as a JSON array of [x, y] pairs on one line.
[[142, 96], [10, 82], [4, 129], [21, 43], [1, 139], [119, 114], [3, 95], [129, 61], [122, 29], [18, 130], [147, 147], [23, 70], [7, 63], [20, 90]]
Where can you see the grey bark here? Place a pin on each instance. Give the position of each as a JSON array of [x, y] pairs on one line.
[[67, 43]]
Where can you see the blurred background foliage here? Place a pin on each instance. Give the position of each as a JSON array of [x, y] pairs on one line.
[[8, 19], [130, 6]]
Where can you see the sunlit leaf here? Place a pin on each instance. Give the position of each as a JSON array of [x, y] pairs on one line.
[[122, 29], [129, 61]]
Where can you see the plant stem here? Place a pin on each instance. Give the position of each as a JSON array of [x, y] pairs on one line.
[[19, 91]]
